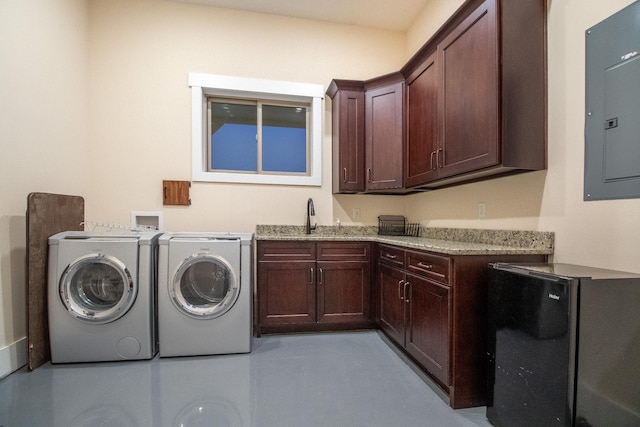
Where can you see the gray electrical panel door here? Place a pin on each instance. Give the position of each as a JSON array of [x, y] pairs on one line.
[[612, 123]]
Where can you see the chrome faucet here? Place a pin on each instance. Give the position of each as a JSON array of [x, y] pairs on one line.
[[310, 212]]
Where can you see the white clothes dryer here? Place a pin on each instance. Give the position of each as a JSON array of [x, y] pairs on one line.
[[101, 294], [205, 293]]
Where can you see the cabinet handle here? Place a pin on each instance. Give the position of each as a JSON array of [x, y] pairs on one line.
[[438, 156], [344, 175], [401, 294], [368, 174], [433, 166], [406, 294], [390, 256], [320, 276], [311, 275], [425, 266]]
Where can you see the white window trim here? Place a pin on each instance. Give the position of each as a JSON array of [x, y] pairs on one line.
[[203, 85]]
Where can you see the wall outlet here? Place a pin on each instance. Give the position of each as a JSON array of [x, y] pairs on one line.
[[356, 214], [482, 210]]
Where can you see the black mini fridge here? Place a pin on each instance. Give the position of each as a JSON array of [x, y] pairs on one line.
[[563, 346]]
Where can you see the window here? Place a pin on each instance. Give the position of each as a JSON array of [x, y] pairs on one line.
[[257, 137], [255, 131]]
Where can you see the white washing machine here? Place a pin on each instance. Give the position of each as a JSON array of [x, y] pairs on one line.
[[205, 293], [101, 294]]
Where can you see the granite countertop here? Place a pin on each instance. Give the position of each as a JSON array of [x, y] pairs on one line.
[[452, 241]]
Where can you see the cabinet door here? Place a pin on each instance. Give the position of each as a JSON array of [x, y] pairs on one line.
[[343, 292], [286, 292], [391, 282], [348, 141], [422, 124], [427, 336], [383, 136], [468, 59]]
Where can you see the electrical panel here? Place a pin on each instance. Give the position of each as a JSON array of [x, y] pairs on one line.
[[612, 121]]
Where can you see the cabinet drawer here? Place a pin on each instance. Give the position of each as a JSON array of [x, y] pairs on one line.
[[343, 251], [391, 255], [429, 265], [286, 251]]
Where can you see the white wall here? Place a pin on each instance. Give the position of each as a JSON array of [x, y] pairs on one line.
[[436, 13], [141, 54], [598, 233], [43, 135]]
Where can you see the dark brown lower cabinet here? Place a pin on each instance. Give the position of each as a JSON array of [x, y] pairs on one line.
[[309, 286], [433, 307], [427, 332], [343, 292], [415, 313], [287, 293], [392, 306]]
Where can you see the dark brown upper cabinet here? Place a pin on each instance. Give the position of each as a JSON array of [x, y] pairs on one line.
[[468, 95], [368, 134], [488, 62], [474, 105], [384, 127], [348, 135], [422, 124]]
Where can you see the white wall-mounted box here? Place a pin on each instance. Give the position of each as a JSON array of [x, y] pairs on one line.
[[147, 220]]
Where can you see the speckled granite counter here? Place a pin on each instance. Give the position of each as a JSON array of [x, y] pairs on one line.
[[452, 241]]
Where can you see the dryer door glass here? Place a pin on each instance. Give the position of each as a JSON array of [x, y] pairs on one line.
[[97, 288], [204, 287]]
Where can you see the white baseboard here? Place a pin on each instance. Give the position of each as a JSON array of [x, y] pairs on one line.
[[13, 357]]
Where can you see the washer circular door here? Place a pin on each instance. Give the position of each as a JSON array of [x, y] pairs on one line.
[[97, 288], [204, 287]]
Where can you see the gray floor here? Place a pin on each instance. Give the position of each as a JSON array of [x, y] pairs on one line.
[[338, 379]]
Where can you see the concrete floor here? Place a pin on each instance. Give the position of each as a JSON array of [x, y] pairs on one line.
[[346, 379]]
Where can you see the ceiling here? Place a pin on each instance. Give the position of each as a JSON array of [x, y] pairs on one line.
[[397, 15]]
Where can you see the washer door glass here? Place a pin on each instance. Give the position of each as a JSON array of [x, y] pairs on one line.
[[204, 287], [97, 288]]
